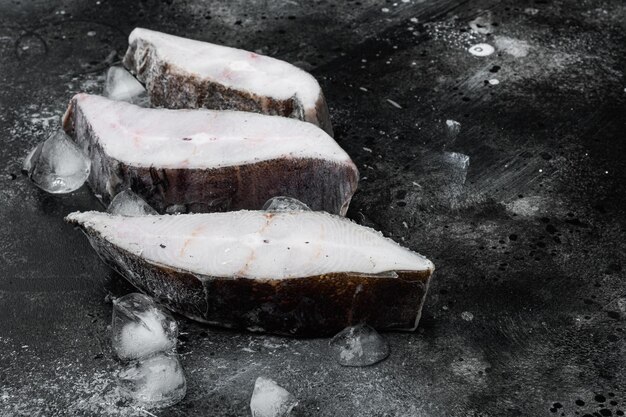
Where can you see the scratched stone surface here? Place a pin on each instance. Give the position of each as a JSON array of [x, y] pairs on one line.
[[507, 170]]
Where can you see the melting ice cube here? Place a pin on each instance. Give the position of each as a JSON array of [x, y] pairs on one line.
[[127, 203], [270, 399], [282, 203], [57, 165], [359, 345], [141, 328], [122, 86], [158, 381]]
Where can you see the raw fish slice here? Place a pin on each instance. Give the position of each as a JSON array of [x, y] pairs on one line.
[[293, 272], [203, 160], [185, 73]]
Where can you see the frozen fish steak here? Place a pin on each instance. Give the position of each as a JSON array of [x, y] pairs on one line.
[[293, 272], [185, 73], [208, 160]]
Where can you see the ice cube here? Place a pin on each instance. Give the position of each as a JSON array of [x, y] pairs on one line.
[[270, 399], [154, 382], [57, 165], [282, 203], [127, 203], [141, 328], [359, 345], [122, 86]]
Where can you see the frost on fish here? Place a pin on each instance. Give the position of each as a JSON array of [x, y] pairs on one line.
[[204, 160], [270, 399], [57, 165], [185, 73], [359, 345], [299, 273], [154, 382], [141, 328], [127, 203]]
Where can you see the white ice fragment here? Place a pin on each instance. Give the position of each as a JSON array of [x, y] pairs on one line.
[[454, 127], [155, 382], [57, 165], [270, 399], [141, 328], [282, 203], [467, 316], [120, 85], [481, 49], [127, 203], [494, 81], [359, 345]]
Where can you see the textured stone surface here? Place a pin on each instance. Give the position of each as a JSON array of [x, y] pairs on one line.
[[530, 241]]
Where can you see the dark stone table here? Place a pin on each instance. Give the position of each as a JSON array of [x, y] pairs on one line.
[[527, 308]]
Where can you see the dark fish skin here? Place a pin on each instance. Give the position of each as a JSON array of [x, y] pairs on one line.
[[172, 88], [321, 184], [316, 306]]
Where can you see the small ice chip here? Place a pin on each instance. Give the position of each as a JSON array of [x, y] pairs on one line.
[[454, 127], [481, 49], [155, 382], [141, 328], [494, 81], [282, 203], [122, 86], [359, 345], [57, 165], [467, 316], [270, 399], [127, 203]]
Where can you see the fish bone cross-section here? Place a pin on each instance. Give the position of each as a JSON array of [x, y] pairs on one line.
[[294, 272], [185, 73], [208, 160]]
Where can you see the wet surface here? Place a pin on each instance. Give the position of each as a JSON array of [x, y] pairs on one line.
[[506, 170]]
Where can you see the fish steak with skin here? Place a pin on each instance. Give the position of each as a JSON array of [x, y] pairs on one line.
[[186, 73], [300, 273], [208, 160]]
